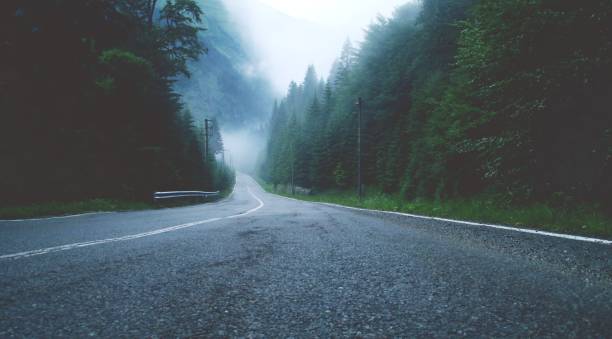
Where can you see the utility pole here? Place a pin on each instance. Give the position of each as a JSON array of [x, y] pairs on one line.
[[292, 169], [360, 185], [207, 135], [292, 182]]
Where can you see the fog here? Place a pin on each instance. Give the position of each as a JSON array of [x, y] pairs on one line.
[[289, 35], [243, 148], [284, 37]]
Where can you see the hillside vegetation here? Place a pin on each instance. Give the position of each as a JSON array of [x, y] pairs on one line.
[[500, 101], [225, 84], [87, 108]]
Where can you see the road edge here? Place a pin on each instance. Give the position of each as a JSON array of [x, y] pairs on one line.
[[460, 222]]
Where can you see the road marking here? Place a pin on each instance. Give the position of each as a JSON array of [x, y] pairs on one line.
[[261, 205], [461, 222], [68, 247], [506, 228], [89, 213], [59, 217]]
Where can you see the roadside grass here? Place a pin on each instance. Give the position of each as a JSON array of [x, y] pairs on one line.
[[583, 220], [54, 209]]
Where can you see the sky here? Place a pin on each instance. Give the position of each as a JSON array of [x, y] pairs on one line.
[[288, 35], [349, 14]]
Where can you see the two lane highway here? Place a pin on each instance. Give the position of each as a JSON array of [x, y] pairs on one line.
[[261, 265]]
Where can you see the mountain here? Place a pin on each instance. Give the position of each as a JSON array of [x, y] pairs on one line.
[[225, 84], [286, 45]]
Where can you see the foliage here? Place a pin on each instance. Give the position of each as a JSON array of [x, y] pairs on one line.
[[86, 100], [535, 69], [584, 219], [177, 35], [462, 99]]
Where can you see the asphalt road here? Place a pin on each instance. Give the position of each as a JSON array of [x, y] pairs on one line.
[[258, 265]]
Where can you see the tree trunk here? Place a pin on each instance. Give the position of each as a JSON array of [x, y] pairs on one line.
[[151, 8]]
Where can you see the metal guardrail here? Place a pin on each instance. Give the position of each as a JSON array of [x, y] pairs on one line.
[[183, 194]]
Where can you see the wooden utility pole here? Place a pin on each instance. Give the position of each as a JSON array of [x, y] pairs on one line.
[[207, 135], [360, 185], [292, 169], [292, 179]]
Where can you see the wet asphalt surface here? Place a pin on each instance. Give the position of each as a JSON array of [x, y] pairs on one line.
[[296, 269]]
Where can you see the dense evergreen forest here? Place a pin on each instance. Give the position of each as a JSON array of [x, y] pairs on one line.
[[87, 106], [508, 99]]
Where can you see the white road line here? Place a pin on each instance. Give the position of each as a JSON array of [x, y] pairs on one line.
[[67, 247], [59, 217], [261, 205], [85, 214], [469, 223], [506, 228]]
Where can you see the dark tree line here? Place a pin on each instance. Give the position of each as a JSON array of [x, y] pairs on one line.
[[509, 99], [86, 101]]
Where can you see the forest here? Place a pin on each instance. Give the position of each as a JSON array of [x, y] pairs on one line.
[[88, 104], [504, 99]]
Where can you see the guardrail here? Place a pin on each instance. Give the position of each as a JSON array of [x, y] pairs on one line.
[[183, 194]]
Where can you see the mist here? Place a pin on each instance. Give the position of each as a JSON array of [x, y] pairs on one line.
[[284, 37], [243, 149], [288, 35], [255, 49]]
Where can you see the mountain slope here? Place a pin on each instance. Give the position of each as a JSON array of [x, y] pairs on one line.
[[224, 83]]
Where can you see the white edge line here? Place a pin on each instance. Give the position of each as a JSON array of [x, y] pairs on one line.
[[67, 247], [469, 223], [58, 217], [85, 214], [261, 205]]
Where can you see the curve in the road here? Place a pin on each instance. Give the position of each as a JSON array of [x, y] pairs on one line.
[[133, 236]]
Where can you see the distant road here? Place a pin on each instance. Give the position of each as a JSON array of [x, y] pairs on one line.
[[261, 265]]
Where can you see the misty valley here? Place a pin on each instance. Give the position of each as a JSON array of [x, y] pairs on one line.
[[296, 168]]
